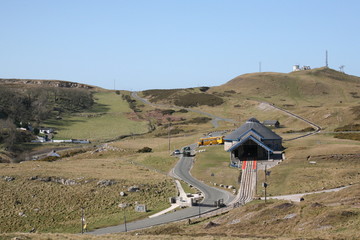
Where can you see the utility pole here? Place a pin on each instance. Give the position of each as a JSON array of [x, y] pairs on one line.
[[169, 135], [123, 206], [82, 220], [125, 221], [265, 183], [199, 208]]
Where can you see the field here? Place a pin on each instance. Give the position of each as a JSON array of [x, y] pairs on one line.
[[212, 166], [315, 163], [107, 120], [47, 204]]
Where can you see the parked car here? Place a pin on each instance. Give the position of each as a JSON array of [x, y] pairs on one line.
[[177, 152]]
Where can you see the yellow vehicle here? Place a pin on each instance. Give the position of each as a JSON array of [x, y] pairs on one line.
[[211, 141]]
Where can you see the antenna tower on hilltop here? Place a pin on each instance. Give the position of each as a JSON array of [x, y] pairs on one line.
[[326, 59], [341, 68]]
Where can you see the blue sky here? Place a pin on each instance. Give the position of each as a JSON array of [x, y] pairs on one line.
[[147, 44]]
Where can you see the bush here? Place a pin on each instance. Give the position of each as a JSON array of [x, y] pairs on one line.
[[346, 128], [199, 120], [167, 112], [145, 150], [204, 89], [198, 99], [308, 129], [183, 111]]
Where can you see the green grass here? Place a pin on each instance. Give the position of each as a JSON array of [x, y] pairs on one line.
[[159, 161], [187, 188], [212, 166], [106, 120]]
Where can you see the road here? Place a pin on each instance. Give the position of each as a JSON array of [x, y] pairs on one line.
[[314, 125], [182, 171]]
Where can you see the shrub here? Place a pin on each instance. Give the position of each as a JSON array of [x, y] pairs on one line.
[[204, 89], [350, 127], [199, 120], [183, 110], [230, 91], [308, 129], [167, 112], [145, 150], [158, 95], [198, 99]]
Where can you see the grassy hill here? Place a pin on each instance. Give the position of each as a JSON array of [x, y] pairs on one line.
[[325, 96], [322, 95]]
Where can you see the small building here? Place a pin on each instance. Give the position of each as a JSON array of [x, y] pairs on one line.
[[46, 130], [252, 141], [272, 123]]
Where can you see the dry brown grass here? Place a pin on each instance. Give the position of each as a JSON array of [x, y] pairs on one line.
[[53, 207], [320, 216], [336, 165]]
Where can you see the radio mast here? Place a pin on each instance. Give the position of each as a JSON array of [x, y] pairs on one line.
[[326, 59]]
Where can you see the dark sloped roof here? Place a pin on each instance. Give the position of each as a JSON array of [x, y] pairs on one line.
[[235, 146], [254, 125], [270, 122]]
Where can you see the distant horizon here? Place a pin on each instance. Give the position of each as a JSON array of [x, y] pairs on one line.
[[120, 89], [164, 44]]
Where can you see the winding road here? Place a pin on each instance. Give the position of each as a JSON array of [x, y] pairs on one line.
[[181, 171]]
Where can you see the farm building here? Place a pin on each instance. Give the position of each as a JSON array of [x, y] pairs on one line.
[[252, 141], [272, 123]]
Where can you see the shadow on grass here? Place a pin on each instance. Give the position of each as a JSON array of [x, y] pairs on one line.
[[61, 124], [99, 108]]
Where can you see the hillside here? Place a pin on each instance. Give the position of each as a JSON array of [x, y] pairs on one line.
[[301, 88], [48, 195], [24, 83], [72, 110]]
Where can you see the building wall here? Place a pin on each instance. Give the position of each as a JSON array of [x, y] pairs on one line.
[[274, 144], [228, 145]]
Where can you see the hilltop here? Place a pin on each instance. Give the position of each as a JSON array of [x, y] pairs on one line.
[[316, 86], [43, 83]]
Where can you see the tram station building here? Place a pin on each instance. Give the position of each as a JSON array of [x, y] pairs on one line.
[[252, 141]]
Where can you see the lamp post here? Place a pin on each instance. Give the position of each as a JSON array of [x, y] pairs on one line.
[[123, 206], [82, 220], [267, 173], [198, 202]]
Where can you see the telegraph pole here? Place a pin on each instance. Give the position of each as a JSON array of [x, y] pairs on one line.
[[82, 220], [125, 221], [169, 134]]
